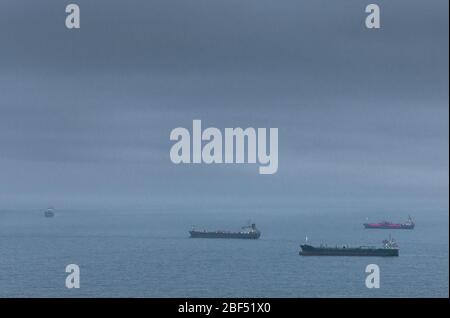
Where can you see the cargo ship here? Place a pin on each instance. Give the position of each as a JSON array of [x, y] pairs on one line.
[[246, 232], [408, 225], [389, 248]]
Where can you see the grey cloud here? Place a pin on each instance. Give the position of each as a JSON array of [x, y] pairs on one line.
[[363, 116]]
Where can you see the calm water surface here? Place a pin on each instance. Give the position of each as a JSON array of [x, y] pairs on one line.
[[149, 254]]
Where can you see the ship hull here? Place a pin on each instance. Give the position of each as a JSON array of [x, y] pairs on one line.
[[389, 227], [224, 235], [308, 250]]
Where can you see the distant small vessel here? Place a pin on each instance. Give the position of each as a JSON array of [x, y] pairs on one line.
[[408, 225], [390, 248], [49, 213], [246, 232]]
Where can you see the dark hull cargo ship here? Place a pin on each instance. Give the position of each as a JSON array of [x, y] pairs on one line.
[[247, 232], [408, 225], [390, 248]]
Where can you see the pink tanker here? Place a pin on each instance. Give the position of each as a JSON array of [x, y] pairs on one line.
[[408, 225]]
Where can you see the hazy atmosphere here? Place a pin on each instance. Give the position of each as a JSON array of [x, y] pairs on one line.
[[363, 136], [85, 115]]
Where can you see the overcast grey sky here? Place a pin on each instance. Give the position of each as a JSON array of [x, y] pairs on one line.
[[85, 115]]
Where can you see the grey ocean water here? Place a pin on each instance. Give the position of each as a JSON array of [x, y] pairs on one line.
[[148, 254]]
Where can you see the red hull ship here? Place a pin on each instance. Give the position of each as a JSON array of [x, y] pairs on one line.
[[408, 225]]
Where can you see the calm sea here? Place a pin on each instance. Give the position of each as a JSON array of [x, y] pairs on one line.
[[149, 254]]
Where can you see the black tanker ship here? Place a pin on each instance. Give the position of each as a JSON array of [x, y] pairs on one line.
[[390, 248], [247, 232]]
